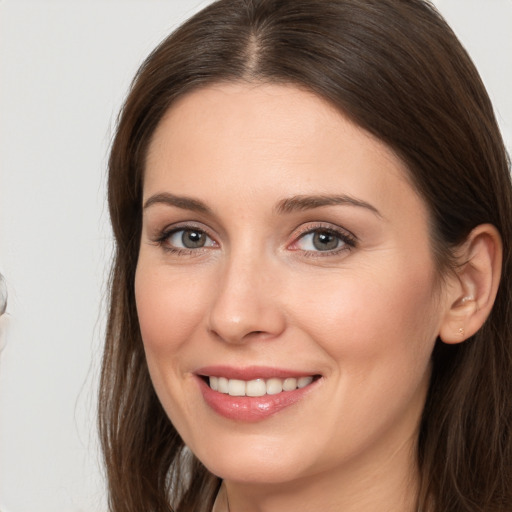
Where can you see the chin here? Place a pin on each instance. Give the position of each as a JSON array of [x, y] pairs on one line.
[[254, 471], [256, 459]]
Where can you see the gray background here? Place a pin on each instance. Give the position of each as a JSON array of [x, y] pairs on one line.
[[64, 69]]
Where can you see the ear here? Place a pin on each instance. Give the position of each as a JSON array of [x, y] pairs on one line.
[[472, 289]]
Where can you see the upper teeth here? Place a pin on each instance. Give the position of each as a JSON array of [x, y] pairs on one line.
[[257, 387]]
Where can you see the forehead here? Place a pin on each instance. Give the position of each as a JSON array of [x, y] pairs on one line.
[[272, 139]]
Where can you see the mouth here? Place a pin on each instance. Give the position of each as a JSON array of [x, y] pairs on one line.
[[253, 394], [259, 386]]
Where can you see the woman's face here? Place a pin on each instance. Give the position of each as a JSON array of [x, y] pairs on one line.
[[283, 246]]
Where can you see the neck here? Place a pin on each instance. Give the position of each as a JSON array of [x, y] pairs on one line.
[[388, 485]]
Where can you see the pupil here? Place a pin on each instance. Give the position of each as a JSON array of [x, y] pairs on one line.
[[325, 241], [193, 239]]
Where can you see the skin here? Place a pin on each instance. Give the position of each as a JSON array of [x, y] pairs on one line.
[[364, 317]]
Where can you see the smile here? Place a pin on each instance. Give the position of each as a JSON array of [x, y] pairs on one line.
[[253, 394], [257, 387]]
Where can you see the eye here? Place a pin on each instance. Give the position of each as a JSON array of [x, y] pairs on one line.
[[188, 238], [324, 240]]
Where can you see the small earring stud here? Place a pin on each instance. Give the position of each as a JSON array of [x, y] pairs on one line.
[[461, 331]]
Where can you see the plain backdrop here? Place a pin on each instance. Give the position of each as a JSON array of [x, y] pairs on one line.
[[65, 67]]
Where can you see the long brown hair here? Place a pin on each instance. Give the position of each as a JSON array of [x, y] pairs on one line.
[[397, 70]]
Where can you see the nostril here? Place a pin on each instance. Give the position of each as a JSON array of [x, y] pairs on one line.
[[240, 315]]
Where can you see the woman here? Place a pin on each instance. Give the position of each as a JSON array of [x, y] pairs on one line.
[[310, 297]]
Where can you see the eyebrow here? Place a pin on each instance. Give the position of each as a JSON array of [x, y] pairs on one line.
[[287, 205], [305, 202], [186, 203]]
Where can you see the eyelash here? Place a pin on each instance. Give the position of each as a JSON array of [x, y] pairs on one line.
[[347, 239], [163, 238]]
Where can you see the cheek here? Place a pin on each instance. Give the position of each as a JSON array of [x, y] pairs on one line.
[[169, 306], [371, 316], [378, 332]]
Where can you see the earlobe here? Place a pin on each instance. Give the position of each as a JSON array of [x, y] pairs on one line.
[[473, 288]]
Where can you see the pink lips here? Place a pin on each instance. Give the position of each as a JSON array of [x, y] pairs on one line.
[[250, 409]]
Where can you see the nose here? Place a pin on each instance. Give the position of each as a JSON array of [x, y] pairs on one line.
[[246, 302]]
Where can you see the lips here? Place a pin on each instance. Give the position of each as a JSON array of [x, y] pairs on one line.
[[253, 394]]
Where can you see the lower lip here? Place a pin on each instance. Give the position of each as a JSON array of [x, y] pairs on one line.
[[252, 409]]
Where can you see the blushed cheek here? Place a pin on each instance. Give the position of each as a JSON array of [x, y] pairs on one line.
[[374, 317], [168, 311]]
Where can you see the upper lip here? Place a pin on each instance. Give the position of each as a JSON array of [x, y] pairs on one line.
[[251, 372]]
